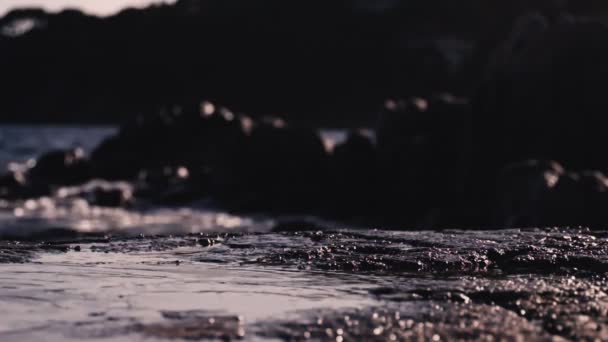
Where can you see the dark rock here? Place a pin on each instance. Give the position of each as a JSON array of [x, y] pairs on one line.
[[535, 193], [14, 186], [193, 326], [413, 320], [285, 165], [112, 198], [541, 97], [54, 169], [60, 168], [522, 191], [423, 155], [170, 185], [354, 175], [111, 160], [164, 177], [145, 142], [220, 151], [578, 199], [204, 138]]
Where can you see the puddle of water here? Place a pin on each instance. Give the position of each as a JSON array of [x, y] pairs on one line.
[[63, 292]]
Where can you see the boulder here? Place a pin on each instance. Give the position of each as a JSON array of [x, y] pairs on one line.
[[201, 136], [423, 154], [61, 167], [543, 194], [524, 191], [13, 186], [286, 166], [354, 175], [170, 185], [542, 98]]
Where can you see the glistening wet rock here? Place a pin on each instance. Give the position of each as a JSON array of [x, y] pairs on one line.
[[22, 252], [450, 252], [416, 321], [189, 326], [569, 306], [518, 284]]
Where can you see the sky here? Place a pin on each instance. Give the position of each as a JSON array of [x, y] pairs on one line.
[[99, 7]]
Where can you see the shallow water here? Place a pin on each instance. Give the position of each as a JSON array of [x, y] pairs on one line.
[[20, 143], [114, 290], [72, 271]]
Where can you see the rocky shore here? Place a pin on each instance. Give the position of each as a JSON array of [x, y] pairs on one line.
[[536, 285]]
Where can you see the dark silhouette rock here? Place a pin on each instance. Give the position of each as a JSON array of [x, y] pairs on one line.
[[112, 198], [53, 169], [112, 160], [60, 168], [164, 177], [145, 142], [108, 71], [543, 194], [170, 186], [286, 165], [354, 176], [206, 150], [13, 186], [523, 192], [578, 199], [220, 146], [541, 98], [423, 154], [203, 138]]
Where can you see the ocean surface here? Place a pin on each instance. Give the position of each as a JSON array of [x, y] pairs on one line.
[[21, 143]]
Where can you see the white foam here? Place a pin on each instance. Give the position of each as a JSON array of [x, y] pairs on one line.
[[66, 210]]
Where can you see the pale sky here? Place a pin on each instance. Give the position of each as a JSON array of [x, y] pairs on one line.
[[99, 7]]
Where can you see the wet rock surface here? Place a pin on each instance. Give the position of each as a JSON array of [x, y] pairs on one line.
[[567, 306], [485, 252], [22, 252], [426, 321], [532, 284], [190, 326]]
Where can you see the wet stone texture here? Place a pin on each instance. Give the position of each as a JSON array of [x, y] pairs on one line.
[[432, 322], [512, 285], [190, 326], [19, 252], [471, 252]]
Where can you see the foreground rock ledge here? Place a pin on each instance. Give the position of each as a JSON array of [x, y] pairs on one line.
[[533, 285]]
